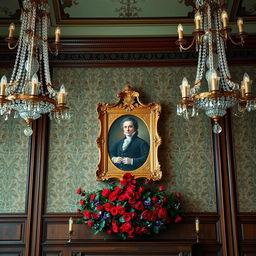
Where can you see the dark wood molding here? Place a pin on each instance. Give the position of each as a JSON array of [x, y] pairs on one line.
[[105, 52], [34, 235], [225, 188]]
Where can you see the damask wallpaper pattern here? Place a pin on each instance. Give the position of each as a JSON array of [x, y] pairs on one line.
[[185, 154], [244, 139], [14, 146]]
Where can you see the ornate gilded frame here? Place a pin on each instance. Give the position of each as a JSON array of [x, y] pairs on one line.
[[128, 103]]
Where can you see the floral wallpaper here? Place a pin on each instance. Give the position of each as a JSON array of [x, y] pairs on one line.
[[185, 154], [14, 146], [244, 139]]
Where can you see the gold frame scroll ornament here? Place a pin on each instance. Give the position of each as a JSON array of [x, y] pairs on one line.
[[128, 104]]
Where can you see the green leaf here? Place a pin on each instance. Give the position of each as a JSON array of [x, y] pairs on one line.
[[156, 229]]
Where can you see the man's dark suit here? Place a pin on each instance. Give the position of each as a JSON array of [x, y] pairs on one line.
[[137, 150]]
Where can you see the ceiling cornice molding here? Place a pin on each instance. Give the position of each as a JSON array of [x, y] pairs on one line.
[[131, 52]]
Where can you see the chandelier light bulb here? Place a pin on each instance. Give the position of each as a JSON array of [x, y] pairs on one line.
[[240, 24]]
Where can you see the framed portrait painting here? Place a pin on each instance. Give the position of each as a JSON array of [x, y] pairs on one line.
[[128, 140]]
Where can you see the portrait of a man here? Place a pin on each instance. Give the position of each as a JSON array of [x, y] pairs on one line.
[[131, 150]]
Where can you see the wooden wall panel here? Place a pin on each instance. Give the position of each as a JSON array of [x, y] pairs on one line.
[[11, 232], [12, 252]]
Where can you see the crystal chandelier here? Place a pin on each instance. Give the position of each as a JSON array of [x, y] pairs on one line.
[[210, 37], [29, 94]]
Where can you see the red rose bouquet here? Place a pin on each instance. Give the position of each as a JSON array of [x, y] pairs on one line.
[[129, 209]]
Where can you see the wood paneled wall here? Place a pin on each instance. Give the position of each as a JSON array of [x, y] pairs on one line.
[[35, 233]]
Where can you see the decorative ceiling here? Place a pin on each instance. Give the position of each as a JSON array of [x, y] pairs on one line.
[[134, 18]]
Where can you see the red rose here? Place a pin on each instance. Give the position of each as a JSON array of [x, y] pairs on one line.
[[118, 190], [132, 201], [141, 189], [154, 199], [131, 187], [90, 223], [78, 210], [123, 182], [78, 191], [128, 176], [145, 214], [87, 214], [114, 226], [92, 197], [95, 215], [114, 211], [153, 216], [99, 207], [162, 213], [129, 193], [165, 200], [139, 206], [137, 195], [178, 219], [108, 206], [120, 209], [162, 188], [82, 202], [105, 192], [109, 232], [127, 227], [112, 196], [134, 181], [127, 216], [144, 230], [178, 194], [122, 198]]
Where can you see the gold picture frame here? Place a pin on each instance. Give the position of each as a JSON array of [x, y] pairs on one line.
[[112, 117]]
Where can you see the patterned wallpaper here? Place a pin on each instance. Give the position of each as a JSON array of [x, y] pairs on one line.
[[244, 139], [13, 163], [185, 153]]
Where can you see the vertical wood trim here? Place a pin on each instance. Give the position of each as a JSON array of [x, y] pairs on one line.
[[34, 236], [30, 189], [225, 186], [232, 181]]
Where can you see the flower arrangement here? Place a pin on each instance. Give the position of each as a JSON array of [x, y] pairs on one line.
[[129, 209]]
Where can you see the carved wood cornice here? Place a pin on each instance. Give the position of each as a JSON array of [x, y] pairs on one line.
[[131, 52]]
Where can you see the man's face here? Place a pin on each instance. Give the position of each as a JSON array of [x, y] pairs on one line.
[[128, 128]]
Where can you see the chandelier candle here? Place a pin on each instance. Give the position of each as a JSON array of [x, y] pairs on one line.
[[180, 31], [3, 85], [224, 18], [198, 20], [57, 35], [11, 30], [240, 24]]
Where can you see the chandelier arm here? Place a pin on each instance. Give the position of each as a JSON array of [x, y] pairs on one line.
[[187, 48], [13, 47], [241, 42]]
